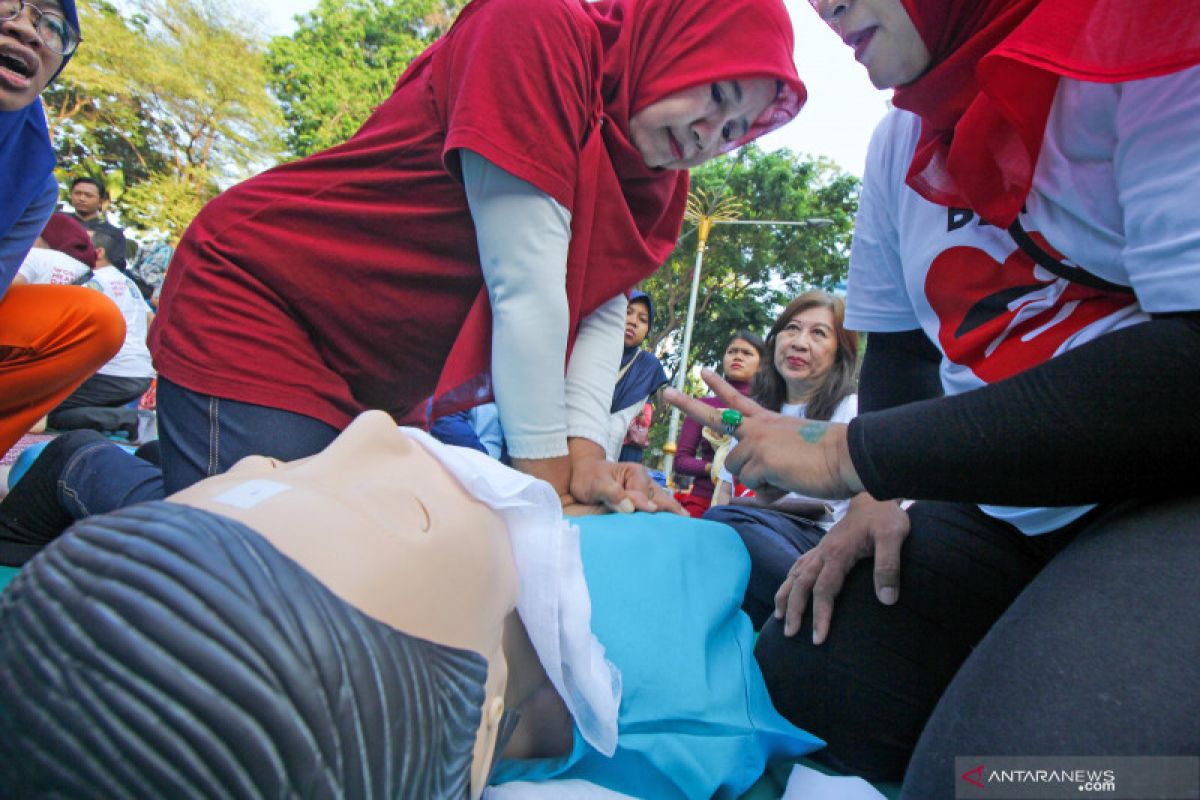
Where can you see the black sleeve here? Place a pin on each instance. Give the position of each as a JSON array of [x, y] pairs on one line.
[[1111, 419], [898, 368]]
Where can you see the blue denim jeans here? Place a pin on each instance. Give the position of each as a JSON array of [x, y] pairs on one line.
[[202, 435], [102, 477]]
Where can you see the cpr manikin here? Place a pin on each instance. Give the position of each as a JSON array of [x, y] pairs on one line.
[[382, 525]]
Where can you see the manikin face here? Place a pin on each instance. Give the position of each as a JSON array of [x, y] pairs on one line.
[[805, 351], [637, 323], [694, 125], [26, 64], [85, 199], [883, 38], [382, 524], [740, 361]]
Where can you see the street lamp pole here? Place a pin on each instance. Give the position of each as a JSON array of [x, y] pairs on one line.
[[724, 212]]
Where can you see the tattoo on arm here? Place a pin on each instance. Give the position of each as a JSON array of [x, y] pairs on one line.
[[812, 432]]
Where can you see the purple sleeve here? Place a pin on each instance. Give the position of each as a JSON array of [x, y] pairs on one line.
[[692, 452]]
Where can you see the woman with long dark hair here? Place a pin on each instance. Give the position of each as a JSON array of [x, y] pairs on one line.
[[807, 370]]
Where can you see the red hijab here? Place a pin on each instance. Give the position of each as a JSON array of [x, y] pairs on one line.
[[625, 216], [995, 69]]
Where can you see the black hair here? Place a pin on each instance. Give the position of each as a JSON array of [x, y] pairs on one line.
[[99, 184], [102, 238], [749, 337]]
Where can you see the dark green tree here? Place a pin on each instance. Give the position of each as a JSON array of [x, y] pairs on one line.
[[165, 103], [343, 61], [750, 271]]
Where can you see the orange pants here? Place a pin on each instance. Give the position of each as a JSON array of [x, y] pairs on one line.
[[52, 338]]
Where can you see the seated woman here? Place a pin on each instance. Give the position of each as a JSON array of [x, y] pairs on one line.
[[808, 371], [343, 625], [694, 451], [640, 376], [1027, 261]]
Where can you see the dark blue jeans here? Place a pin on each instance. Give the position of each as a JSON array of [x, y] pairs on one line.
[[202, 435]]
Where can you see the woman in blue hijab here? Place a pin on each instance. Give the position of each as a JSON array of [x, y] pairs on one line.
[[640, 376], [51, 337]]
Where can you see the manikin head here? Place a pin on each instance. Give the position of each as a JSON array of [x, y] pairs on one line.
[[382, 524], [336, 621]]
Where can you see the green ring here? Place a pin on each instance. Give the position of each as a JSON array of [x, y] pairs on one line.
[[731, 418]]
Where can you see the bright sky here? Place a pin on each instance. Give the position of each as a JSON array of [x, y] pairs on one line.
[[842, 107]]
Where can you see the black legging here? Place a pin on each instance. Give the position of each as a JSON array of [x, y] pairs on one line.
[[1080, 642]]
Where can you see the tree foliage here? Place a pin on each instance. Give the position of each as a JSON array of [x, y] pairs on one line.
[[750, 272], [165, 103], [343, 61]]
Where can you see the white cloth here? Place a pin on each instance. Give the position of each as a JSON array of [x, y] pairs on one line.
[[553, 601], [133, 359], [45, 266], [523, 237], [1114, 192], [806, 783], [845, 411], [618, 426]]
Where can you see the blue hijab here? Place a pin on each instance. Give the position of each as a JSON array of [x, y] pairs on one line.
[[646, 373], [26, 155]]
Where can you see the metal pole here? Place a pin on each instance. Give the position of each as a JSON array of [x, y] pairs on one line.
[[702, 230]]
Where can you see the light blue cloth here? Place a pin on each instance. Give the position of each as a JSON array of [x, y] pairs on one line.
[[695, 718]]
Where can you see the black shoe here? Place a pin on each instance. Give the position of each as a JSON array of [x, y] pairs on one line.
[[31, 515]]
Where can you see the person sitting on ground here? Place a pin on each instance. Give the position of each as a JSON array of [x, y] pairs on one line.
[[150, 267], [640, 376], [63, 255], [694, 452], [808, 370], [344, 626], [51, 337], [1028, 244], [102, 402]]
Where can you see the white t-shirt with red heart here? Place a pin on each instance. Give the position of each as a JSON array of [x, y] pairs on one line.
[[1115, 192]]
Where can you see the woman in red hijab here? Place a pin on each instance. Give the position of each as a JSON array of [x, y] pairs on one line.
[[1028, 246], [482, 226]]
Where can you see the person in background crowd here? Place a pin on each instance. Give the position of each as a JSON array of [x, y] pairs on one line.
[[102, 401], [694, 451], [807, 371], [89, 198], [640, 376]]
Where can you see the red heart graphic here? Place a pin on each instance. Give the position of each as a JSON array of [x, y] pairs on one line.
[[1000, 319]]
